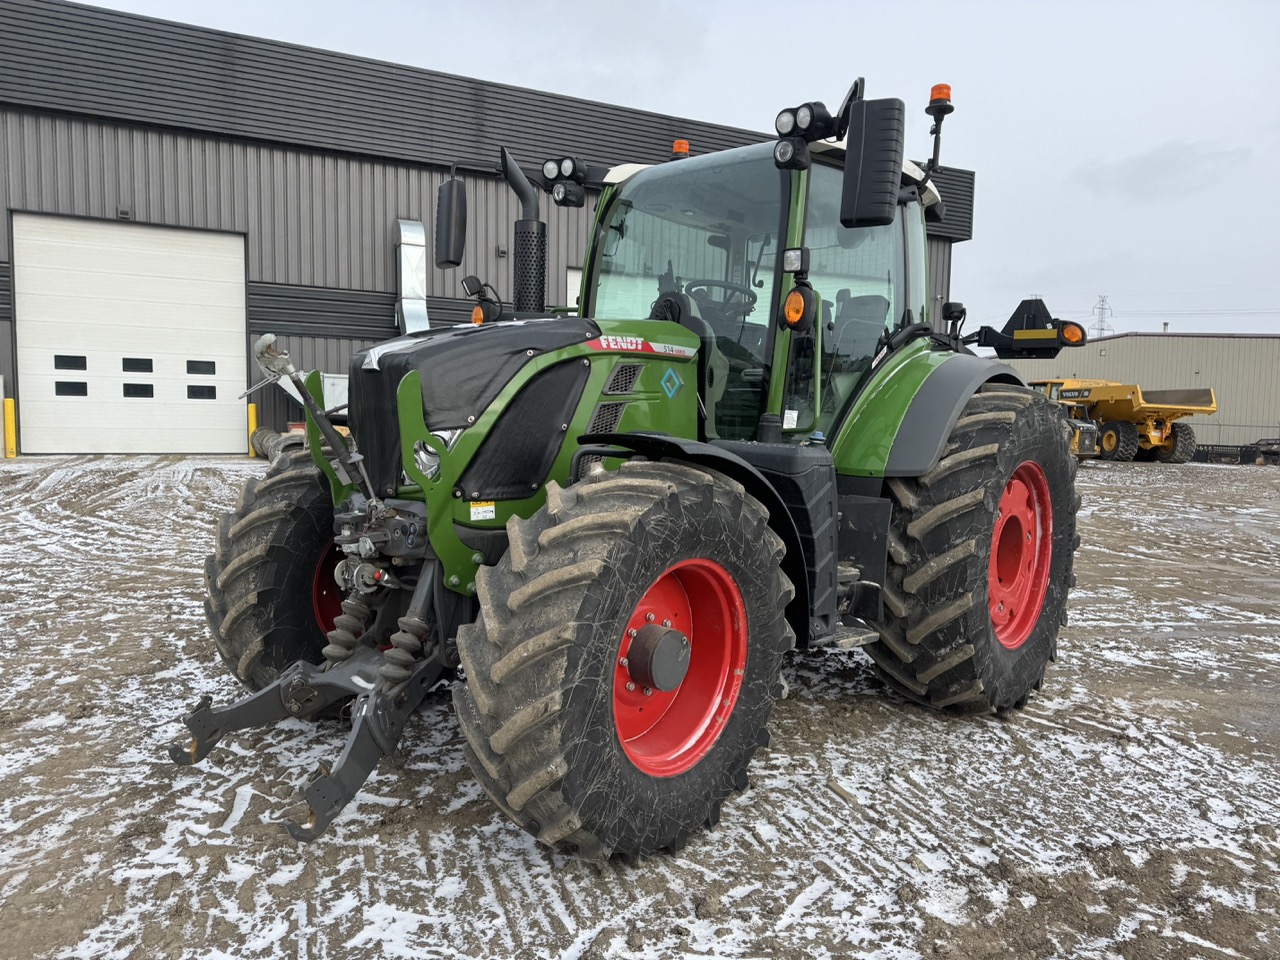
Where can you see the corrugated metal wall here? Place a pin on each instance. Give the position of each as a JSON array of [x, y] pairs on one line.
[[1241, 369], [312, 219], [956, 188], [105, 63], [8, 366], [939, 276]]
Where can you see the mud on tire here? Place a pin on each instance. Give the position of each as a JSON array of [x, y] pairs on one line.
[[545, 696], [265, 591], [945, 640]]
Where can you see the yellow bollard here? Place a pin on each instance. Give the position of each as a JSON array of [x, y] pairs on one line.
[[253, 427], [10, 430]]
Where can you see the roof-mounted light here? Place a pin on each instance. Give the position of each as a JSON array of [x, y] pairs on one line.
[[939, 101], [551, 169], [810, 120], [566, 193], [791, 153]]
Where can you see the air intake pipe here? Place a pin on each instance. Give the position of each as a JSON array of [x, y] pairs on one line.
[[530, 266]]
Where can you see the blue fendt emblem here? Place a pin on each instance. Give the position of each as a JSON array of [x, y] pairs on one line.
[[672, 383]]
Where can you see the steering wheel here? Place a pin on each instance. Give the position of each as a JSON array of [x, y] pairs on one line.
[[696, 287]]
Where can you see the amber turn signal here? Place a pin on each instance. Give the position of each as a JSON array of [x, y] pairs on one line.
[[477, 314], [1073, 333], [793, 308]]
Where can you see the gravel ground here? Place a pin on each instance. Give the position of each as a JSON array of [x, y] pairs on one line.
[[1129, 811]]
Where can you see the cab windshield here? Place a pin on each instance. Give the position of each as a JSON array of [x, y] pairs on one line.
[[707, 228]]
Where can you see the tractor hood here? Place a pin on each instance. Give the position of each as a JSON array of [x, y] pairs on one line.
[[462, 369]]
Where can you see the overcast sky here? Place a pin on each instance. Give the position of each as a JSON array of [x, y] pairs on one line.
[[1121, 148]]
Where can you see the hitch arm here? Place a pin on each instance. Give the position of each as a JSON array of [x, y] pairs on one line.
[[301, 691], [376, 725]]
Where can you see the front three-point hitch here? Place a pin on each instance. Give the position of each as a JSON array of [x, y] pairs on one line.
[[384, 675], [304, 690]]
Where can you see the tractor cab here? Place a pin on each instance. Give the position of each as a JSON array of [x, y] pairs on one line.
[[701, 242]]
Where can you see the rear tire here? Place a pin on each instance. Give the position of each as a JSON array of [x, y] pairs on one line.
[[1183, 447], [270, 592], [553, 733], [980, 558], [1118, 440]]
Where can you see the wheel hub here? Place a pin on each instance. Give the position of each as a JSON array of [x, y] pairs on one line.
[[1021, 550], [681, 661], [658, 658]]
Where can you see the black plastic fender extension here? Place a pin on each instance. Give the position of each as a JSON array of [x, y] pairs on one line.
[[936, 407], [697, 453]]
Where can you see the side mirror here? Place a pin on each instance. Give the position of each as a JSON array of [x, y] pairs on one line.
[[953, 313], [451, 223], [873, 163]]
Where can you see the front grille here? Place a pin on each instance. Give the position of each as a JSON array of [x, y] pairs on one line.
[[623, 380], [606, 418]]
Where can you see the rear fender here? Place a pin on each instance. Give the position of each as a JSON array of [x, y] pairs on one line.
[[696, 453], [902, 418], [934, 410]]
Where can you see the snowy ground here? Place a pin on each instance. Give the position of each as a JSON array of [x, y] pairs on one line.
[[1130, 811]]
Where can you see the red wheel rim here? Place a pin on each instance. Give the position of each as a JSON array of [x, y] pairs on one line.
[[1021, 549], [326, 598], [667, 733]]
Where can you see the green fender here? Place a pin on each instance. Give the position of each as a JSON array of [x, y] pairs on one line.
[[900, 423]]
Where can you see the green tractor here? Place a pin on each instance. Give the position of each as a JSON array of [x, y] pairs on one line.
[[608, 527]]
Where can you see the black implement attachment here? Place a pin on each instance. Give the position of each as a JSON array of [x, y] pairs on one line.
[[303, 691]]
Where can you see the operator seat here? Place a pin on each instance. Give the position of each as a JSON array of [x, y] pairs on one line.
[[859, 324]]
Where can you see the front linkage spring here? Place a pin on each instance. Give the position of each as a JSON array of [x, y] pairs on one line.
[[405, 650], [347, 628]]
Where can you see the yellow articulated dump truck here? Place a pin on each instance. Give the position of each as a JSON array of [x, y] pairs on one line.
[[1132, 424]]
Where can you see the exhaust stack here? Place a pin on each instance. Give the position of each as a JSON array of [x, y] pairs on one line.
[[529, 268]]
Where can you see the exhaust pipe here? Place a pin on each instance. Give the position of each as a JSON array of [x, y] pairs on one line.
[[530, 261]]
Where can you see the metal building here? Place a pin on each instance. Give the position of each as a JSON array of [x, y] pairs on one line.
[[1240, 367], [171, 192]]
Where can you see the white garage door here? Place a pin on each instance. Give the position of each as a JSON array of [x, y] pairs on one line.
[[131, 338]]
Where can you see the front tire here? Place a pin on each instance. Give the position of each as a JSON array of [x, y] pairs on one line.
[[981, 551], [270, 594], [560, 729]]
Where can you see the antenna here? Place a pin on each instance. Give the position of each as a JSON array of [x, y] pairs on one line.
[[1102, 310]]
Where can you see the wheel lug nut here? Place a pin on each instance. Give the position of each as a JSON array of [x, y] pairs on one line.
[[630, 685], [650, 617], [624, 662], [632, 633], [648, 692], [666, 623]]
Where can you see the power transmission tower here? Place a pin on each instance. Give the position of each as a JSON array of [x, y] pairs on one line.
[[1102, 310]]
